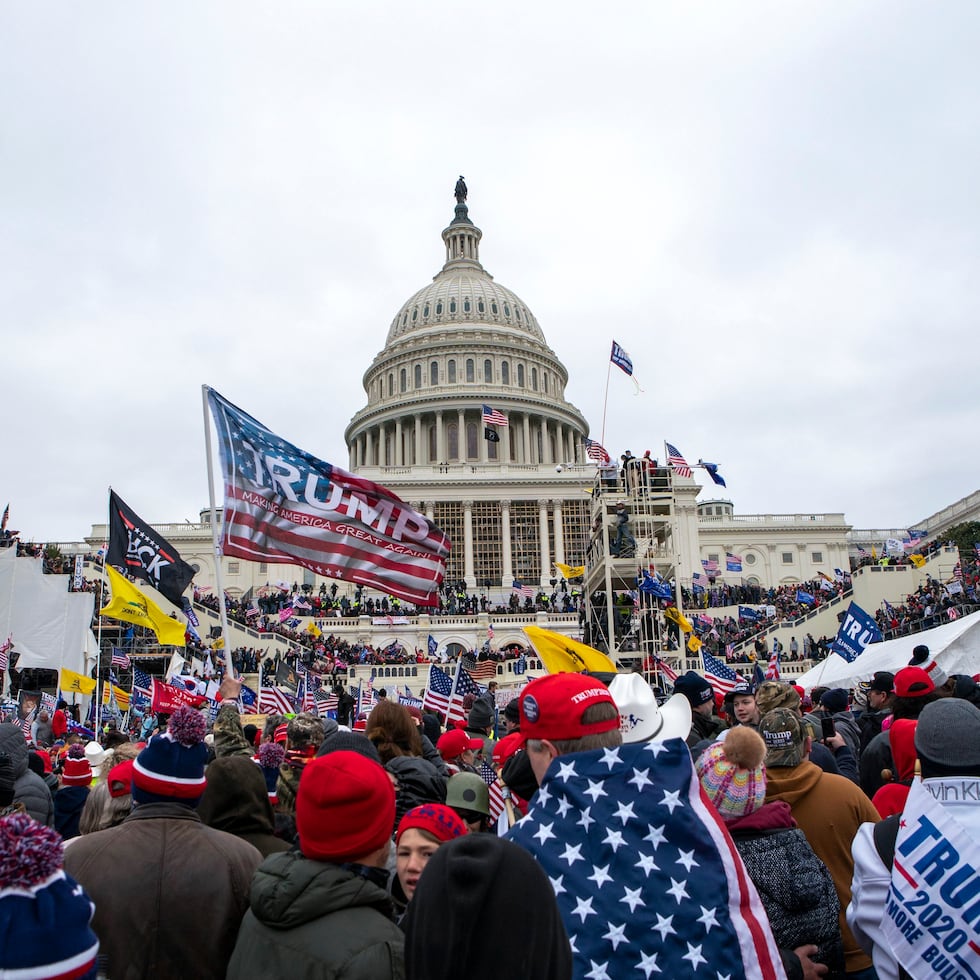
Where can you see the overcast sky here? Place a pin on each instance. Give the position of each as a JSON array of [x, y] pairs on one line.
[[772, 206]]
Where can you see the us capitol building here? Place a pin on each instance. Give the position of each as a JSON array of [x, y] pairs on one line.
[[515, 506]]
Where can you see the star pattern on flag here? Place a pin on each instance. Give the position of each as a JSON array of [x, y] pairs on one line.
[[641, 869]]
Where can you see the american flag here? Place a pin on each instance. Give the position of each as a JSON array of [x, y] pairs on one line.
[[719, 675], [275, 701], [666, 670], [336, 524], [325, 702], [646, 878], [311, 686], [142, 686], [733, 563], [595, 451], [366, 697], [772, 671], [729, 649], [700, 580], [958, 571], [491, 416], [480, 670], [976, 548], [525, 590], [438, 691], [710, 565], [675, 459], [5, 652], [119, 659], [496, 793], [25, 726]]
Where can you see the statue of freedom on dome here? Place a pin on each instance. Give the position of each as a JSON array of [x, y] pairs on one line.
[[460, 190]]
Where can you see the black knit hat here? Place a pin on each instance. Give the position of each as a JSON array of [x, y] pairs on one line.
[[694, 687], [341, 741], [478, 879]]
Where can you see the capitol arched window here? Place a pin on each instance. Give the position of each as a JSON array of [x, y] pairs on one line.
[[544, 381], [403, 381], [418, 375], [439, 308], [520, 375], [452, 433], [391, 385], [517, 312], [493, 308], [452, 372], [452, 306], [534, 378], [471, 440], [506, 309], [466, 305], [505, 373], [415, 314], [469, 370], [488, 370], [434, 373], [481, 306], [425, 310]]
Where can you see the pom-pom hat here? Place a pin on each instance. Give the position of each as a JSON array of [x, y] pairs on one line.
[[552, 707], [76, 770], [269, 758], [345, 807], [732, 773], [45, 917], [171, 768]]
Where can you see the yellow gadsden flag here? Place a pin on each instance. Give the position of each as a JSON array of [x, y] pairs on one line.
[[131, 606], [562, 655], [122, 697], [676, 616], [570, 571], [917, 560], [693, 643], [76, 683]]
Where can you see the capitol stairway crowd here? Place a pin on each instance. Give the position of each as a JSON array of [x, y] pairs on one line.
[[581, 830]]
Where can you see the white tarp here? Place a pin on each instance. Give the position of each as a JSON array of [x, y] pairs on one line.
[[50, 626], [955, 646]]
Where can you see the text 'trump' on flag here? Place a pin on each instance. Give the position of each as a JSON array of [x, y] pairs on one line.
[[283, 505]]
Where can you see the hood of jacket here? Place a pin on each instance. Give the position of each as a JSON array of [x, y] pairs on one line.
[[235, 799], [792, 783], [289, 890], [901, 740], [13, 743], [774, 815]]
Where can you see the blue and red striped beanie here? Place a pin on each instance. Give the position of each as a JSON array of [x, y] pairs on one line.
[[171, 768]]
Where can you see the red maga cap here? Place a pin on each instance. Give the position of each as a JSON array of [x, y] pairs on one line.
[[552, 707]]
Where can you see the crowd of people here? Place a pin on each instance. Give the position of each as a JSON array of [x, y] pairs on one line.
[[581, 830]]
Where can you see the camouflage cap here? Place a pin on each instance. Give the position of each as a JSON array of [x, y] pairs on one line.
[[305, 730], [775, 694], [785, 735]]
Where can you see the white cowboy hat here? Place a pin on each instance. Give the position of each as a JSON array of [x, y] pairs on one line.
[[640, 719]]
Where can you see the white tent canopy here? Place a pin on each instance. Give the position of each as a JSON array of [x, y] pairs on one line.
[[50, 626], [955, 646]]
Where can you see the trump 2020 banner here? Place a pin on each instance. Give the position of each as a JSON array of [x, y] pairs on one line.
[[284, 505], [855, 633], [932, 908]]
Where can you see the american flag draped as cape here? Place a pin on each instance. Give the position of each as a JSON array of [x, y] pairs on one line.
[[648, 881]]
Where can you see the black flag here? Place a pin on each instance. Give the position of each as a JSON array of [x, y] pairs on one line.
[[137, 549], [490, 434]]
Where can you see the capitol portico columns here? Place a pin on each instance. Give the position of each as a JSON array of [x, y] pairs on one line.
[[399, 459], [559, 532], [505, 543], [468, 572], [527, 439], [543, 534], [418, 440]]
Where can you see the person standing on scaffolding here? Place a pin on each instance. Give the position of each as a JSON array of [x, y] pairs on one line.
[[623, 544]]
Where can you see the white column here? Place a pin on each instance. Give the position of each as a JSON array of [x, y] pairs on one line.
[[559, 533], [382, 445], [440, 439], [505, 544], [399, 457], [468, 543], [546, 442], [528, 453], [543, 532], [461, 435], [419, 455]]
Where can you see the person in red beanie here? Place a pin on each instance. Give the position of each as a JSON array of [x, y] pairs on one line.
[[420, 834], [324, 910]]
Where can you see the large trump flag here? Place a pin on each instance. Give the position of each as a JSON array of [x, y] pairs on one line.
[[284, 505]]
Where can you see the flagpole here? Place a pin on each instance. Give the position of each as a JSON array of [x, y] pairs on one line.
[[98, 641], [218, 574], [605, 403]]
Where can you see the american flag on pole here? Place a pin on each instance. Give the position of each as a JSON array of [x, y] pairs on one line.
[[119, 659], [772, 671], [666, 670], [491, 416], [303, 511], [710, 565], [719, 675], [496, 793], [438, 691], [647, 879], [142, 686], [527, 591], [5, 650], [677, 461], [325, 703], [595, 451], [275, 701]]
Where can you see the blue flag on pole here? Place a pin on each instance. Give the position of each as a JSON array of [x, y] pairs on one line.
[[805, 597], [855, 633], [621, 359], [747, 612]]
